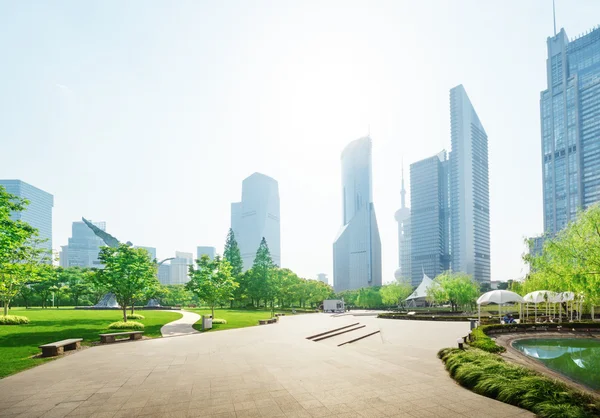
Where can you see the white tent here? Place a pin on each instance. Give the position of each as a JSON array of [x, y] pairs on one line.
[[498, 297], [540, 296], [420, 292]]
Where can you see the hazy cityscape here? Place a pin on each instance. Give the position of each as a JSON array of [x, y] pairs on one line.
[[386, 208]]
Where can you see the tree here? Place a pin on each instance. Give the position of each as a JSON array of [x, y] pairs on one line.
[[455, 287], [20, 252], [259, 278], [395, 293], [212, 281], [77, 281], [232, 254], [127, 273], [369, 297]]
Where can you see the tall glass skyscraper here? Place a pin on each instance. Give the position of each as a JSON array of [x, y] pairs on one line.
[[38, 213], [429, 216], [570, 120], [83, 247], [357, 247], [257, 216], [469, 190]]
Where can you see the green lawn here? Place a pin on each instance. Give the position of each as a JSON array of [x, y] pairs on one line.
[[18, 343], [236, 318]]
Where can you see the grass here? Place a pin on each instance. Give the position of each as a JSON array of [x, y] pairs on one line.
[[18, 343], [489, 375], [236, 318], [485, 343]]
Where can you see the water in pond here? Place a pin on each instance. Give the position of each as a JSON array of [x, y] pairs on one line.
[[576, 358]]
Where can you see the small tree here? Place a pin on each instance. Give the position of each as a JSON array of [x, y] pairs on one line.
[[260, 277], [395, 293], [457, 288], [234, 258], [127, 273], [212, 281]]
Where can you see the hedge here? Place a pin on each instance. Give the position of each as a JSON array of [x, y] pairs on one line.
[[126, 325], [422, 317], [13, 320], [219, 321], [480, 340], [135, 316], [489, 375]]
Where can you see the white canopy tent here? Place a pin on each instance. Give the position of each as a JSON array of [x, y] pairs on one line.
[[540, 296], [498, 297], [420, 293]]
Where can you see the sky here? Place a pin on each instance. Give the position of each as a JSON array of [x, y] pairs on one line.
[[149, 114]]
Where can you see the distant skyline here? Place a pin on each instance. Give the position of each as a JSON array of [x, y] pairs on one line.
[[148, 114]]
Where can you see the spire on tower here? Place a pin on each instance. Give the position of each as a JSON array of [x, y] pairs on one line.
[[554, 16]]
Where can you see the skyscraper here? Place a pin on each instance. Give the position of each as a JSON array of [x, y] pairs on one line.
[[469, 190], [151, 252], [209, 251], [429, 217], [404, 256], [179, 268], [357, 247], [83, 247], [38, 213], [570, 111], [257, 216], [322, 277]]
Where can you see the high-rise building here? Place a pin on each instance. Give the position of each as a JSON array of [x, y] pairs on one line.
[[357, 247], [179, 270], [209, 251], [151, 252], [83, 247], [164, 274], [404, 256], [570, 115], [429, 217], [322, 277], [469, 190], [257, 216], [38, 212]]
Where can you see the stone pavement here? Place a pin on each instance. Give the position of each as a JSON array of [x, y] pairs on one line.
[[182, 326], [263, 371]]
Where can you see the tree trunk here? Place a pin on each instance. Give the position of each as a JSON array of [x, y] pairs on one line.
[[124, 312], [5, 307], [132, 307], [212, 308]]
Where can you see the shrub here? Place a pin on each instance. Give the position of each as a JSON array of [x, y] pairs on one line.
[[135, 316], [13, 320], [126, 325], [485, 343], [219, 321], [424, 317], [489, 375]]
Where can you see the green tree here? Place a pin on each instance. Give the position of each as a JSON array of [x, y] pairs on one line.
[[232, 254], [395, 293], [369, 297], [77, 281], [20, 251], [259, 278], [455, 287], [212, 281], [127, 273]]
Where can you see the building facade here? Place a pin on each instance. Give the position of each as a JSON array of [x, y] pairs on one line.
[[357, 247], [469, 190], [83, 247], [570, 127], [211, 252], [179, 268], [164, 274], [322, 277], [38, 213], [151, 252], [404, 255], [257, 216], [430, 216]]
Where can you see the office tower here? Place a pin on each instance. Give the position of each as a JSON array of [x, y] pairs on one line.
[[83, 247], [151, 252], [38, 212], [164, 274], [209, 251], [429, 217], [357, 247], [404, 256], [178, 273], [322, 277], [569, 112], [469, 190], [257, 216]]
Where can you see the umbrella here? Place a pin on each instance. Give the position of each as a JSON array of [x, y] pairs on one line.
[[498, 297]]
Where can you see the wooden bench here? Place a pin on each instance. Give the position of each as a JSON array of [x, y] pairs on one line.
[[263, 321], [110, 338], [59, 347]]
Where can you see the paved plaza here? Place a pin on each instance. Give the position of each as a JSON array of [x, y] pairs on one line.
[[182, 326], [264, 371]]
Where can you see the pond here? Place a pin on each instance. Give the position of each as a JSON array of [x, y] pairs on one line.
[[576, 358]]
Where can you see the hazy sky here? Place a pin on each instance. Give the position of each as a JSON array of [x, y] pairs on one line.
[[149, 114]]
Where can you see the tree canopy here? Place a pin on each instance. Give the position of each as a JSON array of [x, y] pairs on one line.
[[457, 288]]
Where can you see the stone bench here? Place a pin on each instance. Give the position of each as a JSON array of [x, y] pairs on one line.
[[110, 338], [279, 314], [263, 321], [59, 347]]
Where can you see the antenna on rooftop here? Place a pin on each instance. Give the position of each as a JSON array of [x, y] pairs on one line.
[[554, 15]]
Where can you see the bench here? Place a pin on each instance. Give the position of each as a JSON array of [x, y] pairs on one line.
[[110, 338], [59, 347], [263, 321], [272, 320]]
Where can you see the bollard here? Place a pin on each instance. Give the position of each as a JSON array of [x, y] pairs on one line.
[[460, 343]]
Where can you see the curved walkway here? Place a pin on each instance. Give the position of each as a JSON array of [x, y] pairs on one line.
[[182, 326]]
